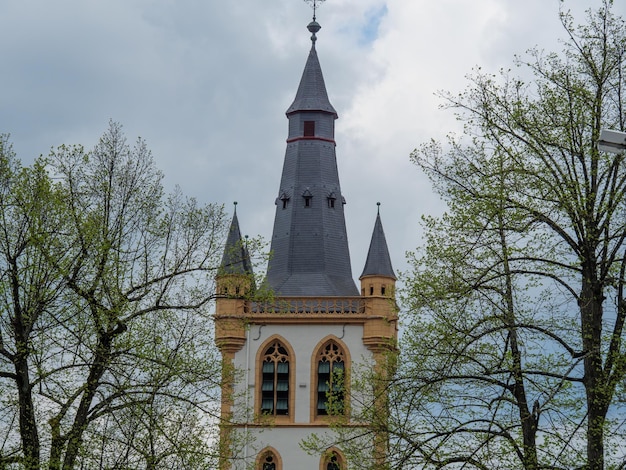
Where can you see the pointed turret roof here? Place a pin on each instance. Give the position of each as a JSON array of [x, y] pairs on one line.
[[236, 259], [378, 261], [312, 95]]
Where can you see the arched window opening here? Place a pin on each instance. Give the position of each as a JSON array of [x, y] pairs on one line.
[[275, 380], [333, 460], [330, 380], [333, 463], [268, 460]]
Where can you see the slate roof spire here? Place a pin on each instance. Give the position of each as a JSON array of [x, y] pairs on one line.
[[236, 259], [311, 94], [309, 247], [378, 262]]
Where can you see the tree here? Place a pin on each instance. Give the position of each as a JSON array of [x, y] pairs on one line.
[[106, 349], [514, 348], [27, 291]]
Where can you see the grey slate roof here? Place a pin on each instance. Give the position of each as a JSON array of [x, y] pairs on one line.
[[312, 95], [309, 247], [236, 259], [378, 262]]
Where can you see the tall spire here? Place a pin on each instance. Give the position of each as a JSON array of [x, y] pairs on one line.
[[309, 250], [378, 262]]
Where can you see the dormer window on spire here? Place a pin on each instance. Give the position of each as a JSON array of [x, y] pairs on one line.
[[332, 197], [307, 197], [283, 198]]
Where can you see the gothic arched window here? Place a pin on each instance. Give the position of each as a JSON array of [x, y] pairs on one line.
[[331, 371], [333, 460], [275, 380], [269, 460]]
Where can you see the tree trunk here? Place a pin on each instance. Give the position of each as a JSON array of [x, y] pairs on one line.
[[57, 444], [75, 436], [28, 424], [528, 420], [22, 324], [594, 380]]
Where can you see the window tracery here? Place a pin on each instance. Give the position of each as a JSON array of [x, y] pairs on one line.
[[275, 380], [268, 459], [330, 379], [333, 460]]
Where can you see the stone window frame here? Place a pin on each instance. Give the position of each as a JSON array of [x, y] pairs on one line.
[[261, 356]]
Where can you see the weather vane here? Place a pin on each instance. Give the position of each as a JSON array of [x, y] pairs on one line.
[[315, 5]]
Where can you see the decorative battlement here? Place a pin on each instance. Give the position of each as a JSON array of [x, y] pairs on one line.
[[297, 307], [308, 305]]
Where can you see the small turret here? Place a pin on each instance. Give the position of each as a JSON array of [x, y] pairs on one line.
[[378, 283], [236, 259], [234, 281], [378, 278], [235, 276]]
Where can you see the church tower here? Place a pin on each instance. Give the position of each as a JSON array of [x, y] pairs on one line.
[[290, 360]]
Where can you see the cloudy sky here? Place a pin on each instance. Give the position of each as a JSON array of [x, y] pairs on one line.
[[206, 84]]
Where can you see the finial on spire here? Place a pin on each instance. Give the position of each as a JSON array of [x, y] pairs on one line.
[[235, 204], [378, 204], [315, 5], [314, 26]]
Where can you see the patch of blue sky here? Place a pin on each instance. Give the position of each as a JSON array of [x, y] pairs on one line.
[[373, 18]]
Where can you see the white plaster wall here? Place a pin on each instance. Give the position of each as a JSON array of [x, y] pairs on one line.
[[285, 442], [303, 339]]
